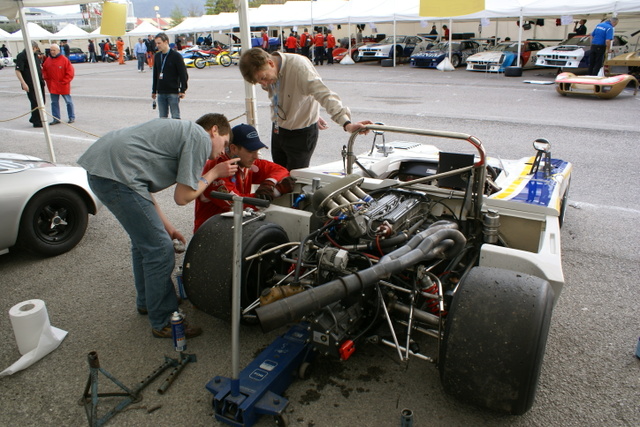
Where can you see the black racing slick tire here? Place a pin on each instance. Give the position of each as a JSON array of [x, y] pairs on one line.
[[208, 264], [455, 61], [355, 56], [494, 339], [225, 60], [199, 63], [53, 222]]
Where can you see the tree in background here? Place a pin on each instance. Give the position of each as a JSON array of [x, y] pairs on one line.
[[176, 15], [213, 7]]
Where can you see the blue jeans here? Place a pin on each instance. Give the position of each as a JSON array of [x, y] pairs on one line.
[[168, 101], [55, 107], [142, 58], [151, 248]]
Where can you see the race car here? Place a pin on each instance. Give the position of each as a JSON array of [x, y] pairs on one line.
[[505, 55], [403, 46], [574, 52], [445, 255], [460, 51], [44, 206]]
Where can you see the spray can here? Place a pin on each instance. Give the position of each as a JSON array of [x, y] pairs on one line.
[[153, 104], [181, 293], [177, 331]]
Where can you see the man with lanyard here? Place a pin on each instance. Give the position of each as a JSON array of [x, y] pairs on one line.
[[23, 72], [169, 78], [273, 179], [296, 92], [601, 44]]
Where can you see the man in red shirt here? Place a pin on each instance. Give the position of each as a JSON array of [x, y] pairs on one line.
[[265, 40], [273, 179], [331, 43], [58, 72], [291, 44], [318, 42], [305, 42]]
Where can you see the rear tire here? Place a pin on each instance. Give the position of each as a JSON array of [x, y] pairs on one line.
[[224, 60], [494, 339], [455, 61], [208, 264], [356, 56]]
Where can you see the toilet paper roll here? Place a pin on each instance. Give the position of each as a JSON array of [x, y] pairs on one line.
[[29, 319]]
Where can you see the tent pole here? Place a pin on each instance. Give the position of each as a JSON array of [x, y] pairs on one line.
[[394, 40], [245, 36], [520, 39], [36, 80]]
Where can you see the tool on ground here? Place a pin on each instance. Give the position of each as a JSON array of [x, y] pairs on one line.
[[243, 398], [90, 397]]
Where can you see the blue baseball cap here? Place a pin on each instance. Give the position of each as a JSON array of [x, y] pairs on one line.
[[246, 136]]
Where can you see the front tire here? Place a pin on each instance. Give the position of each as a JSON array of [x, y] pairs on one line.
[[494, 339], [208, 264], [199, 63], [53, 222]]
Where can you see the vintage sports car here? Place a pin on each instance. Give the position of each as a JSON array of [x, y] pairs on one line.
[[44, 206], [449, 256], [504, 55], [574, 52], [627, 63], [403, 46], [602, 87], [460, 51], [77, 55]]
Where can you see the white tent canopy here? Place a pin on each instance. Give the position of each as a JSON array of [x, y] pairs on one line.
[[144, 29], [4, 35], [35, 31], [71, 31]]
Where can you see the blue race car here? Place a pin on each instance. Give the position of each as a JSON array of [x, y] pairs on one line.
[[460, 51], [77, 55]]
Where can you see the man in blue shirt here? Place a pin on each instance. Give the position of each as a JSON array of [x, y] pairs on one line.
[[600, 44]]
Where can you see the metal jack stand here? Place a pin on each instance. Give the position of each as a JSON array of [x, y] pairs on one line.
[[90, 397], [243, 398]]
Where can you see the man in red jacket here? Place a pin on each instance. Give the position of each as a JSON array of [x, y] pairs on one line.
[[273, 179], [331, 43], [58, 72], [318, 42]]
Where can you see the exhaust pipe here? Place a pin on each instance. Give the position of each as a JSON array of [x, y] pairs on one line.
[[424, 246]]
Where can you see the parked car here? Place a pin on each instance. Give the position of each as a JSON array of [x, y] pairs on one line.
[[574, 52], [504, 55], [627, 63], [77, 55], [442, 255], [45, 206], [403, 46], [460, 51]]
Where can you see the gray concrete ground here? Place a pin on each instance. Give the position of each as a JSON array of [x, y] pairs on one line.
[[589, 376]]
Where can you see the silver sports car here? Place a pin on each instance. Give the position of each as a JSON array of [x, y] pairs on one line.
[[44, 206]]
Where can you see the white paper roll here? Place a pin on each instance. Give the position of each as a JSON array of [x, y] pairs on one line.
[[29, 319]]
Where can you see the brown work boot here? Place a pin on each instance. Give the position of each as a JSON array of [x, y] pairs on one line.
[[189, 331]]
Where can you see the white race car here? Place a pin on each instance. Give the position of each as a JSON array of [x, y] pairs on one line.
[[403, 46], [448, 256], [574, 52], [44, 206], [505, 55]]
